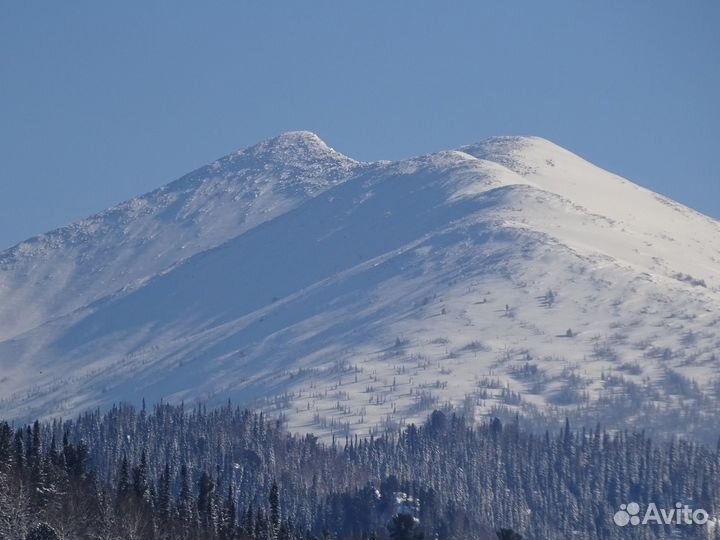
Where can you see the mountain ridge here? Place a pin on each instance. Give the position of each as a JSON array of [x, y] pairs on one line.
[[177, 214]]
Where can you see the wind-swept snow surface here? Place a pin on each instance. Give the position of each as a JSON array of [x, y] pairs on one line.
[[510, 276]]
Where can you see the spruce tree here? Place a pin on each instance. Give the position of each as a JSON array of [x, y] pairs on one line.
[[274, 500]]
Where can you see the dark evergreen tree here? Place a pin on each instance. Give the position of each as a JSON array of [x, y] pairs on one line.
[[508, 534], [164, 496], [404, 527], [141, 486], [274, 501], [42, 531], [123, 483], [228, 525], [185, 507], [206, 505]]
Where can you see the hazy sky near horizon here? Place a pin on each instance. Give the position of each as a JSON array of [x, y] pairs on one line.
[[100, 101]]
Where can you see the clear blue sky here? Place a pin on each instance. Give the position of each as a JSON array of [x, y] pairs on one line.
[[102, 101]]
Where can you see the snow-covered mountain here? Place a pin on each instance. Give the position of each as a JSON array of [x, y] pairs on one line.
[[508, 274]]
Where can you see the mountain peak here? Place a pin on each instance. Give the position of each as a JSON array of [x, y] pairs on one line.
[[299, 136], [294, 147], [295, 139], [522, 154]]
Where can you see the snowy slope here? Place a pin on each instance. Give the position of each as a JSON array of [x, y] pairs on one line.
[[651, 229], [55, 273], [509, 273]]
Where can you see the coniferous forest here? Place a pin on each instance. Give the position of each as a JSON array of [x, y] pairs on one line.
[[228, 474]]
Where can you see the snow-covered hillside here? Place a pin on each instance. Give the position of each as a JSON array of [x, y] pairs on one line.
[[66, 269], [346, 296]]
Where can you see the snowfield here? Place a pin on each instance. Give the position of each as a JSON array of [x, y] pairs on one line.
[[509, 276]]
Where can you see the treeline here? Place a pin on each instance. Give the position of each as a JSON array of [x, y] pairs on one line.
[[228, 474]]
